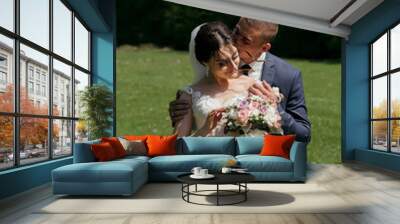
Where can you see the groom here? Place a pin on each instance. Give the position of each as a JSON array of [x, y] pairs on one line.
[[253, 39]]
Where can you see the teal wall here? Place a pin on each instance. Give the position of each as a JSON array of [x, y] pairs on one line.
[[24, 178], [104, 53], [355, 85], [100, 16]]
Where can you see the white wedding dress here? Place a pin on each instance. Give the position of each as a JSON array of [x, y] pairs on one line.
[[203, 104]]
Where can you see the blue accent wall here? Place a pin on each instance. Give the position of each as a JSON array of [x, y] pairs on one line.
[[100, 17], [355, 89], [24, 178], [104, 54]]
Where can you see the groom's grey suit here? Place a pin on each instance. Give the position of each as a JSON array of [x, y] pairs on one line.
[[293, 108]]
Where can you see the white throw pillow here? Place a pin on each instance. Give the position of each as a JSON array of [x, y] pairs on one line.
[[137, 147]]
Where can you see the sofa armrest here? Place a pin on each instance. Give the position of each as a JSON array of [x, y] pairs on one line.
[[298, 155], [83, 152]]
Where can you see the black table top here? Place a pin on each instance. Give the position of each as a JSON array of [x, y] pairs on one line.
[[220, 178]]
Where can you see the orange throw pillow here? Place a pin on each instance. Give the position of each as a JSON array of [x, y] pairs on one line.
[[277, 145], [103, 152], [116, 145], [161, 145]]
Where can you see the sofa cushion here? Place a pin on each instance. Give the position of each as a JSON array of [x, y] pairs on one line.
[[132, 158], [206, 145], [103, 152], [116, 145], [185, 163], [277, 145], [161, 145], [257, 163], [83, 152], [135, 147], [111, 171], [249, 145]]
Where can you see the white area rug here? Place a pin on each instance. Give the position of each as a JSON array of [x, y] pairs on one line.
[[166, 198]]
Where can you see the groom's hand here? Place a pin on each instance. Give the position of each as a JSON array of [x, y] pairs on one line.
[[178, 109], [263, 90]]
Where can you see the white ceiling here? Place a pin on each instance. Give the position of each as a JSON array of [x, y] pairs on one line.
[[321, 9], [333, 17]]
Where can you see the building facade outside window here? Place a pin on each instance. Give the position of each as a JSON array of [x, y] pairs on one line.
[[45, 131]]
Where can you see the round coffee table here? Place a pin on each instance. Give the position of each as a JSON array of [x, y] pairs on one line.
[[238, 179]]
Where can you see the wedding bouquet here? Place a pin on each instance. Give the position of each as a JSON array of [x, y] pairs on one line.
[[253, 115]]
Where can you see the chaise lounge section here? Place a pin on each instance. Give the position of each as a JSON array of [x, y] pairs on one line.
[[125, 176]]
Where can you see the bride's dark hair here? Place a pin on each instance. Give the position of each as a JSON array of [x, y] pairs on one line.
[[211, 37]]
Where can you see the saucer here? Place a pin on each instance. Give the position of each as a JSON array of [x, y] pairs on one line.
[[208, 176]]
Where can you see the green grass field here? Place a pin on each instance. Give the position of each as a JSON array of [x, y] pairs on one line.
[[147, 80]]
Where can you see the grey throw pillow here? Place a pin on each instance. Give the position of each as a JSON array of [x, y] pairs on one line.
[[137, 148]]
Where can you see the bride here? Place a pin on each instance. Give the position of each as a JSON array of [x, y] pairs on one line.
[[221, 86]]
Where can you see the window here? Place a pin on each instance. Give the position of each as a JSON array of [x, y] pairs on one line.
[[48, 75], [62, 137], [3, 78], [35, 22], [81, 81], [3, 72], [385, 94], [62, 74], [37, 89], [81, 45], [44, 91], [30, 87], [37, 75], [7, 142], [7, 14], [7, 85], [30, 72], [33, 147], [62, 30], [3, 61]]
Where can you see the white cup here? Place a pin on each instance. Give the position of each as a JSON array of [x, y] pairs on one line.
[[226, 170], [196, 171], [203, 172]]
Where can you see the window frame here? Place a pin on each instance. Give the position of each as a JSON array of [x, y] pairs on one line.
[[388, 74], [16, 114]]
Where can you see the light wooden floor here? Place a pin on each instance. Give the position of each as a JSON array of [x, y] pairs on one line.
[[353, 182]]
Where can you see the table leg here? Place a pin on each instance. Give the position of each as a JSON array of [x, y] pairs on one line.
[[245, 193], [188, 189], [182, 188], [196, 188], [217, 194]]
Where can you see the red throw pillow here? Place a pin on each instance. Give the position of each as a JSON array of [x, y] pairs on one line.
[[116, 145], [277, 145], [103, 152], [161, 145]]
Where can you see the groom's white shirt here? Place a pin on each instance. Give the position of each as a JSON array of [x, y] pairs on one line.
[[256, 67]]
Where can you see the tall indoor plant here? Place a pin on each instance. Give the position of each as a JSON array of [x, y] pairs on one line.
[[96, 102]]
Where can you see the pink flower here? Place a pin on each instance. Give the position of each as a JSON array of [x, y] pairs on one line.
[[243, 104], [255, 104], [243, 116]]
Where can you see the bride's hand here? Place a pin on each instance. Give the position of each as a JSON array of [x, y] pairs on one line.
[[213, 118]]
